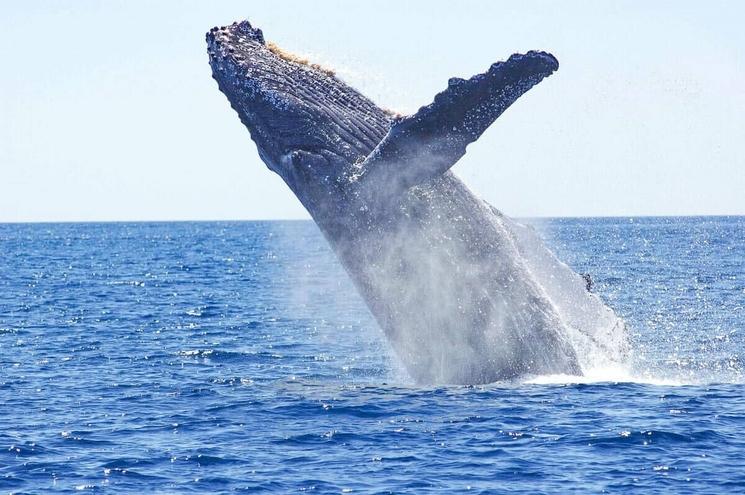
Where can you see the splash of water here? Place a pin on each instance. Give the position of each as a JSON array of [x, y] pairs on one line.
[[471, 296], [598, 336]]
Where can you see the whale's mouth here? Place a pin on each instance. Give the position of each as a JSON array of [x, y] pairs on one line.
[[289, 104]]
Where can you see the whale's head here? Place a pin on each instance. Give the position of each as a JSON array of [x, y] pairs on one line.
[[308, 125]]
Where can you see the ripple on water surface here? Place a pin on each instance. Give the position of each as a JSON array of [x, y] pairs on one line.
[[228, 357]]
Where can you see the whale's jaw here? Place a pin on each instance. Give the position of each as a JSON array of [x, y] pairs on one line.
[[448, 278], [307, 124]]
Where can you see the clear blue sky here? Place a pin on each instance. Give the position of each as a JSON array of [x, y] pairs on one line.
[[108, 110]]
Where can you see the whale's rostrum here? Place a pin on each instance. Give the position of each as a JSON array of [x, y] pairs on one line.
[[463, 293]]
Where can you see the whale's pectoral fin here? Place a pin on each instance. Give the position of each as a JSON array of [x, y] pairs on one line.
[[426, 144]]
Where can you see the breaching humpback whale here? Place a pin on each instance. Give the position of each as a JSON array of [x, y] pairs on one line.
[[464, 294]]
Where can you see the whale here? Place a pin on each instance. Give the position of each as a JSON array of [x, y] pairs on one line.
[[463, 293]]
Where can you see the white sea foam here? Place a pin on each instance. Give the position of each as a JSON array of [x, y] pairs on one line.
[[611, 374]]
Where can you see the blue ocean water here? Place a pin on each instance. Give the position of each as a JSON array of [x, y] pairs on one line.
[[236, 356]]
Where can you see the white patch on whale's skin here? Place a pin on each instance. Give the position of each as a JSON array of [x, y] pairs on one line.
[[464, 294]]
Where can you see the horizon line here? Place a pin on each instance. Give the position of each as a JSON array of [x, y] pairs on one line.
[[264, 220]]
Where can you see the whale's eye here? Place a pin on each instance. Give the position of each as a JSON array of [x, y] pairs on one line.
[[306, 160]]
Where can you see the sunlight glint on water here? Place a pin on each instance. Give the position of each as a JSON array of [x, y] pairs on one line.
[[219, 357]]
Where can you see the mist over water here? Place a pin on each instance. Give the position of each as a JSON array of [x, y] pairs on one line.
[[467, 295], [237, 356]]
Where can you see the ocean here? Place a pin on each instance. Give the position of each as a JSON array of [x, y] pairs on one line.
[[223, 357]]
